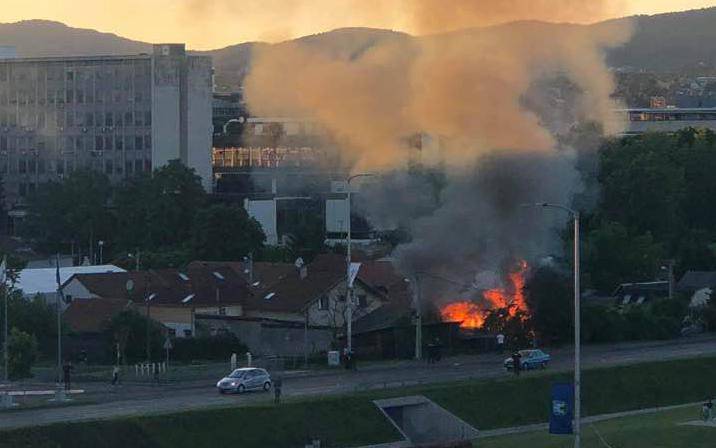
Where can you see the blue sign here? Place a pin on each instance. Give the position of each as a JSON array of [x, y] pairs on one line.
[[561, 409]]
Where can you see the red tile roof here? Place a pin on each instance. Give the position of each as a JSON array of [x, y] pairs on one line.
[[93, 315]]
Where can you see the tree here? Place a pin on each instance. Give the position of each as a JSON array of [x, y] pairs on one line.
[[548, 294], [129, 330], [614, 256], [156, 212], [74, 210], [225, 232], [22, 353]]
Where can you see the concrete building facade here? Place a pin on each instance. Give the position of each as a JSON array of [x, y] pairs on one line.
[[121, 115]]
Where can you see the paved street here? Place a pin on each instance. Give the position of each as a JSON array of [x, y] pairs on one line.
[[145, 399]]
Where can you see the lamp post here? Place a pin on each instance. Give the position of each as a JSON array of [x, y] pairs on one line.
[[349, 286], [577, 315], [100, 243]]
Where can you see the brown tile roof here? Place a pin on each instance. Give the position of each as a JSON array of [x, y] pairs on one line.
[[93, 315], [170, 286]]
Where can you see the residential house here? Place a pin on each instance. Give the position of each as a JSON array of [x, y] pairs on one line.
[[87, 321], [43, 281], [169, 296]]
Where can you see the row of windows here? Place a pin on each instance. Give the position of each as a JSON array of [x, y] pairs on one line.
[[117, 71], [80, 143], [79, 119], [39, 167], [72, 96]]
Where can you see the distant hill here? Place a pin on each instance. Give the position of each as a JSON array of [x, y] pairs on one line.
[[670, 42], [662, 43], [40, 38]]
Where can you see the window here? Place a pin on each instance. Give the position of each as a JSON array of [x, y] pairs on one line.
[[60, 167], [22, 166], [147, 141], [147, 118], [323, 303], [138, 142], [99, 143], [118, 143], [362, 300], [138, 166], [89, 119], [108, 143], [128, 118], [108, 166], [108, 119], [187, 333]]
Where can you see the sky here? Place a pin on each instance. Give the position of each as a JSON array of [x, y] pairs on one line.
[[208, 24]]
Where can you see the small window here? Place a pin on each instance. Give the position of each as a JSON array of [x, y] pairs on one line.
[[187, 333], [323, 303]]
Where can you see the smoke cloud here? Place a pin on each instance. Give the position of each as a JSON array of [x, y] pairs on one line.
[[465, 87]]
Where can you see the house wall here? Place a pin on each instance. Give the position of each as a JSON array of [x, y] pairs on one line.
[[334, 315], [176, 318], [77, 290], [224, 310], [273, 339]]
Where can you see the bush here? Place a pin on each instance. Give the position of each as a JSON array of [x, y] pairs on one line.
[[209, 348], [22, 353], [129, 330]]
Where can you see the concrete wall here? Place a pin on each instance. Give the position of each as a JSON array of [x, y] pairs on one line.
[[264, 211], [334, 315], [268, 339], [77, 290], [176, 318], [199, 117]]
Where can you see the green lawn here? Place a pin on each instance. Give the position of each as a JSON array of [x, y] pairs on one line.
[[343, 422], [660, 430], [353, 420]]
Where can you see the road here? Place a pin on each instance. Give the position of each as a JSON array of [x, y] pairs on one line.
[[145, 400]]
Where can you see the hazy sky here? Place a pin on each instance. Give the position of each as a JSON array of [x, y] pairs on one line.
[[205, 24]]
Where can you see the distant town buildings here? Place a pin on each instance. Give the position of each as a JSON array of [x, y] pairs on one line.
[[121, 115], [668, 119]]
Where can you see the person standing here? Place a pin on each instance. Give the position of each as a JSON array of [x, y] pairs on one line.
[[277, 384], [66, 371], [516, 363], [115, 375], [500, 343]]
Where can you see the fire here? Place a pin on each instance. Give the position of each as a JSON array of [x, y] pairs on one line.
[[472, 315], [467, 313]]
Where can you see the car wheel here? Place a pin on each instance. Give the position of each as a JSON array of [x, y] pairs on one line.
[[267, 386], [241, 389], [543, 365], [222, 391]]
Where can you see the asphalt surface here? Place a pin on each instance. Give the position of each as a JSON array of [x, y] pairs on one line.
[[142, 399]]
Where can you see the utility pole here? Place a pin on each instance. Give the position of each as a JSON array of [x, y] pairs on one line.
[[3, 276], [418, 319], [577, 323], [349, 286]]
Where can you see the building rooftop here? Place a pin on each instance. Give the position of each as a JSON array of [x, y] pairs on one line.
[[44, 280]]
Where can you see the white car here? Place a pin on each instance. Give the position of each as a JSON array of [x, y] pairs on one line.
[[242, 380]]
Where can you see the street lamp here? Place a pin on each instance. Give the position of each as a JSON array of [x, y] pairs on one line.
[[577, 342], [349, 286], [100, 243]]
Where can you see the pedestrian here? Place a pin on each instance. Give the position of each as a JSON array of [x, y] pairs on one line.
[[115, 375], [437, 350], [707, 409], [516, 363], [277, 390], [66, 371], [500, 343]]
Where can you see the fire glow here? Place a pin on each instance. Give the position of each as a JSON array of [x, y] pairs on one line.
[[472, 315]]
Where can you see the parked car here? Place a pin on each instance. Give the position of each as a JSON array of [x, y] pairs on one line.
[[529, 359], [242, 380]]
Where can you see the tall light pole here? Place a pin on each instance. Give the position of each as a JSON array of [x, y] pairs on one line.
[[349, 286], [577, 315], [100, 243]]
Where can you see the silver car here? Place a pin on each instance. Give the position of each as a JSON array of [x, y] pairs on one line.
[[242, 380]]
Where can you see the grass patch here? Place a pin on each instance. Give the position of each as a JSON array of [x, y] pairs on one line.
[[659, 430], [512, 402], [348, 421]]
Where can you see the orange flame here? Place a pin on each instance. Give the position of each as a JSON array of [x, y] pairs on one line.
[[467, 313], [471, 315]]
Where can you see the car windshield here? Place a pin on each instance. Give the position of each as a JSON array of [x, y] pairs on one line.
[[526, 353], [238, 374]]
